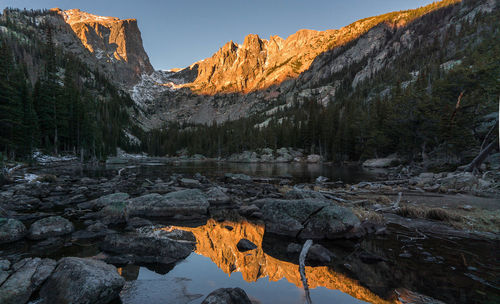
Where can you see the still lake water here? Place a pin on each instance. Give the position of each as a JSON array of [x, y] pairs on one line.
[[298, 172]]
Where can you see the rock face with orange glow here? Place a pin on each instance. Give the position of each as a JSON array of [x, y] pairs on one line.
[[248, 79], [115, 43], [259, 63], [215, 241]]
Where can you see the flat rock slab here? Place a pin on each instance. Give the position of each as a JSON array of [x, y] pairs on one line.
[[185, 204], [25, 278]]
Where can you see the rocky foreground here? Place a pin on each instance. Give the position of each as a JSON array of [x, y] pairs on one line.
[[127, 216]]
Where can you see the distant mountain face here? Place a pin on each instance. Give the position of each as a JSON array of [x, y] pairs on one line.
[[259, 63], [111, 40], [271, 79], [258, 76], [107, 44]]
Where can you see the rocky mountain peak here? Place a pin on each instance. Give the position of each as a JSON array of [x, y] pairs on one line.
[[258, 63], [112, 41]]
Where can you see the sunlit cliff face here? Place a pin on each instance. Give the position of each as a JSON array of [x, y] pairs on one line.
[[260, 63], [109, 39], [215, 241]]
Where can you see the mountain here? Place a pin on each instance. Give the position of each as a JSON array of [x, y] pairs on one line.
[[263, 75], [108, 44], [259, 63], [111, 40], [381, 85], [56, 95], [392, 89]]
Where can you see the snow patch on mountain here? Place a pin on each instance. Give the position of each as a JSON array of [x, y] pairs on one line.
[[153, 85]]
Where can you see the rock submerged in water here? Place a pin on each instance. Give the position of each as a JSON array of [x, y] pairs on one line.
[[245, 245], [319, 254], [307, 218], [227, 296], [79, 280], [11, 230], [52, 226], [184, 204]]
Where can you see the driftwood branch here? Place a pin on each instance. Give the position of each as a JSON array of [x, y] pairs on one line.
[[302, 269]]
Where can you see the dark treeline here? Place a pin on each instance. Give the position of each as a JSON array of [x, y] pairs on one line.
[[51, 101], [411, 117]]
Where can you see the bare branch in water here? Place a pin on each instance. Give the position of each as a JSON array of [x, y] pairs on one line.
[[302, 268]]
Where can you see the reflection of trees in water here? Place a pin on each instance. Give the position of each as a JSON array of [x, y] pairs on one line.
[[217, 242]]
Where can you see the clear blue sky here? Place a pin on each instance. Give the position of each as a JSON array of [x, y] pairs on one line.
[[178, 33]]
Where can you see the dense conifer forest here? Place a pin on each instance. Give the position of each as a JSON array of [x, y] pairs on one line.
[[51, 101]]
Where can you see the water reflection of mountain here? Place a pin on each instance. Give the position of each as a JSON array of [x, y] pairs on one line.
[[217, 241]]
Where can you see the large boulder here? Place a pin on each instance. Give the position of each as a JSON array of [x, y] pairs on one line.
[[11, 230], [307, 218], [27, 276], [227, 296], [52, 226], [114, 213], [183, 204], [216, 196], [78, 280], [133, 248], [460, 181]]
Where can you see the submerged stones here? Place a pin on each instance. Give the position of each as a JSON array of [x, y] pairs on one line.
[[319, 254], [245, 245], [227, 296], [11, 230]]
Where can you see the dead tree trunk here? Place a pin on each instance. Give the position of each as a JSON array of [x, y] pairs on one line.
[[476, 163]]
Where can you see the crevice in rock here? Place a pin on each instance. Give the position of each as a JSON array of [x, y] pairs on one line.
[[13, 272], [304, 223]]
